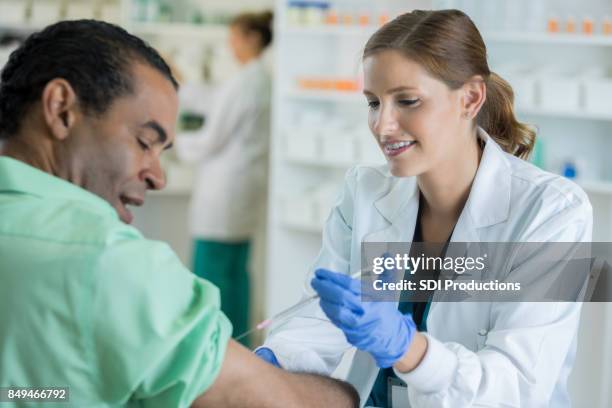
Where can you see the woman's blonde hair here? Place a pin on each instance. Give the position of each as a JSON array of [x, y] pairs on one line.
[[449, 46]]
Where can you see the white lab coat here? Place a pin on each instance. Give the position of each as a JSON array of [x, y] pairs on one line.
[[479, 354], [232, 157]]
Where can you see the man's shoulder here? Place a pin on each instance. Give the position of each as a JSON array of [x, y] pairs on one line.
[[61, 222]]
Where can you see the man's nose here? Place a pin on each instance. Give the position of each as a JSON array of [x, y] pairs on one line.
[[154, 177]]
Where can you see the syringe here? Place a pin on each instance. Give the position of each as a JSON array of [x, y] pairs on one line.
[[287, 313]]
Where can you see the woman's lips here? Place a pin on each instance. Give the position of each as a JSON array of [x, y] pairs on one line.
[[392, 152]]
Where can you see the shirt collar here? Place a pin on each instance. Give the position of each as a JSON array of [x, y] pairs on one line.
[[17, 176]]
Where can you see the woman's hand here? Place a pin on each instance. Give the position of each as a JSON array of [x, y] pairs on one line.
[[376, 327]]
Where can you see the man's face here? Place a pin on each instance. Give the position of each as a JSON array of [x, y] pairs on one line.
[[116, 155]]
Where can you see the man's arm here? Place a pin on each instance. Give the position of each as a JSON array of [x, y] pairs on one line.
[[247, 381]]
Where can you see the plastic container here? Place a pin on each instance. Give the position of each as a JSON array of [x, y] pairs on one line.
[[315, 13], [524, 84], [568, 169], [559, 90], [588, 26], [606, 26], [296, 13], [598, 93], [570, 25]]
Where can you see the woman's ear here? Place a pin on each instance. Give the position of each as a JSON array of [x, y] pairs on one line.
[[474, 96], [59, 107], [255, 41]]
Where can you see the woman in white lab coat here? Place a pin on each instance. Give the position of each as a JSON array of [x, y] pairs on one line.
[[456, 172], [232, 162]]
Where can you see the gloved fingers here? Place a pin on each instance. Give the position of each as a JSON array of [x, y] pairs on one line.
[[333, 293], [340, 316], [268, 355], [354, 285], [390, 274]]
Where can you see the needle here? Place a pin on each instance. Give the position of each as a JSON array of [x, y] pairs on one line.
[[285, 314]]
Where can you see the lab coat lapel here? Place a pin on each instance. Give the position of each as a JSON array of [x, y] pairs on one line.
[[399, 208], [488, 204], [489, 200]]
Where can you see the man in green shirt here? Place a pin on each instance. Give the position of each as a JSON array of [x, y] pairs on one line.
[[86, 302]]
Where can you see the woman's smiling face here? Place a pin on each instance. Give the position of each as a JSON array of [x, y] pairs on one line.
[[414, 117]]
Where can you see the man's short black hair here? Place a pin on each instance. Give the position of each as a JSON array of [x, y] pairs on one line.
[[93, 56]]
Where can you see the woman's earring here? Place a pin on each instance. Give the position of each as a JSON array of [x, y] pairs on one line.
[[466, 115]]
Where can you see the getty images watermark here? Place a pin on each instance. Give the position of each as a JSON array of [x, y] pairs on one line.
[[486, 271]]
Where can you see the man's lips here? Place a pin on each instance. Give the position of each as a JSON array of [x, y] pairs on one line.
[[124, 213], [136, 201]]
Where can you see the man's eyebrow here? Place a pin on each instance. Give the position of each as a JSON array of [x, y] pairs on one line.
[[162, 136]]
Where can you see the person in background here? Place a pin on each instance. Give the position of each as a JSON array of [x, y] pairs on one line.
[[86, 302], [232, 165]]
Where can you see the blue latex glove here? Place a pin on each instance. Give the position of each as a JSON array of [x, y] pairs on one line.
[[267, 355], [375, 327]]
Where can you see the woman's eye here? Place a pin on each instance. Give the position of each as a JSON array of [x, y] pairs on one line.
[[373, 104], [408, 102], [143, 145]]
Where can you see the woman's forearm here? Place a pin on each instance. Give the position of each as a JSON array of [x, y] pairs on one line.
[[414, 355]]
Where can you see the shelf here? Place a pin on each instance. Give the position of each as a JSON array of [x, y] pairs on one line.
[[566, 114], [21, 28], [328, 96], [171, 192], [303, 227], [357, 98], [547, 38], [327, 164], [204, 31], [330, 30], [496, 36], [590, 187], [599, 187]]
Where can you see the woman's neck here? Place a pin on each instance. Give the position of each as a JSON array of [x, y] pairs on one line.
[[445, 189]]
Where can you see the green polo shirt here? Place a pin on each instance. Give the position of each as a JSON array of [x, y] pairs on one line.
[[87, 303]]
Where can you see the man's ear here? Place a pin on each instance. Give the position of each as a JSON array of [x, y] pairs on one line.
[[59, 106], [474, 96]]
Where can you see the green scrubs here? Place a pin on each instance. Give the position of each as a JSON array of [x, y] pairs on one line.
[[87, 303], [225, 265]]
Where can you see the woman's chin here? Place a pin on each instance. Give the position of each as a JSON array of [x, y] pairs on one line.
[[402, 171]]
